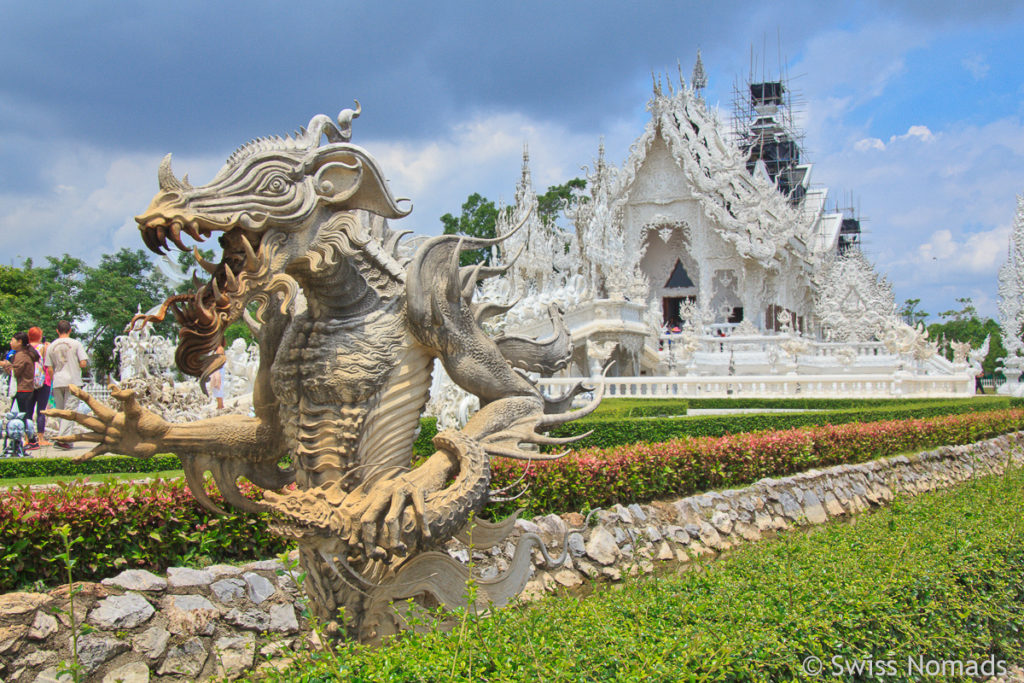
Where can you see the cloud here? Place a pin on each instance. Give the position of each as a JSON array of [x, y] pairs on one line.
[[919, 132], [484, 154], [866, 144], [937, 205], [976, 66], [85, 204], [88, 196], [980, 252]]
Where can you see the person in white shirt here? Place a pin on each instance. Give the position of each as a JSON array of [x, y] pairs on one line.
[[67, 358]]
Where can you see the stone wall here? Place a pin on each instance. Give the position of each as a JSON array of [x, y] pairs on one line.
[[224, 620]]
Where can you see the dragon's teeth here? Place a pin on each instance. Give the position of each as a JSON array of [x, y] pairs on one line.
[[203, 263]]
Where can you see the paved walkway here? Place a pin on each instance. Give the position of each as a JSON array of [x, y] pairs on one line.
[[54, 452]]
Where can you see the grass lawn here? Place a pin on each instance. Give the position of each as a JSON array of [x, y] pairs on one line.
[[935, 577]]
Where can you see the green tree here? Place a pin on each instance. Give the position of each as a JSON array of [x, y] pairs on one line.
[[478, 218], [910, 314], [121, 285], [964, 325], [551, 203], [966, 312]]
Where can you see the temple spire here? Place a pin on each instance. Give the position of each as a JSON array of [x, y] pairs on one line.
[[699, 79]]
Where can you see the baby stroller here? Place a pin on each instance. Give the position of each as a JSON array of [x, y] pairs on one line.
[[16, 427]]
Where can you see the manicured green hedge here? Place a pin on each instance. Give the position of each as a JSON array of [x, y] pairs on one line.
[[992, 402], [104, 464], [937, 577], [617, 432], [637, 472], [19, 468], [424, 444], [614, 423]]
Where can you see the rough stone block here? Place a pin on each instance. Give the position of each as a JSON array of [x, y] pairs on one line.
[[137, 580], [151, 643], [187, 659], [121, 612], [133, 672], [43, 627], [18, 607], [282, 619], [228, 590], [95, 649], [236, 654], [189, 614], [259, 588], [602, 547], [184, 577]]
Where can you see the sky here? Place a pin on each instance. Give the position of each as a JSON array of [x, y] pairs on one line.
[[913, 112]]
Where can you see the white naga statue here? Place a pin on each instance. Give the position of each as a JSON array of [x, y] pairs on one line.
[[1011, 306], [342, 382]]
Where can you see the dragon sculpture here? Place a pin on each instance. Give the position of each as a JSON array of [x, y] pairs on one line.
[[343, 379]]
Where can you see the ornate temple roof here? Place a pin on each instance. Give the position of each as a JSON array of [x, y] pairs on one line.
[[746, 210]]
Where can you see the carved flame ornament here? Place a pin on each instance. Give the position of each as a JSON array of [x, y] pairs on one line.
[[342, 381]]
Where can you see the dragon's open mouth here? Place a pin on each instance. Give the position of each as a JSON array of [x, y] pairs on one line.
[[215, 304]]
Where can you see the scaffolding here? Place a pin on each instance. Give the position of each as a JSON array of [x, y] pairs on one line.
[[763, 127]]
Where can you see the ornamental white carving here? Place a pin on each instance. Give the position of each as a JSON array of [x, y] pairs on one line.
[[853, 303], [1011, 306]]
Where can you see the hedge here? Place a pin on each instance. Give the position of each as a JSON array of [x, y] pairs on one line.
[[607, 433], [20, 468], [992, 402], [933, 579], [599, 477], [151, 525], [614, 423], [158, 524], [12, 468]]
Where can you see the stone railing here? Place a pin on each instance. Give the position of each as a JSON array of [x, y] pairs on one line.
[[780, 386], [229, 621], [765, 354]]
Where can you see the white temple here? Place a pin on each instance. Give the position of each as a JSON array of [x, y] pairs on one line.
[[705, 266]]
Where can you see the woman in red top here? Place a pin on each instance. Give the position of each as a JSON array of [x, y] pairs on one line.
[[23, 365], [41, 396]]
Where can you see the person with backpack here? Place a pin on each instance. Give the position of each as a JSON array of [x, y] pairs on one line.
[[41, 379], [66, 358], [23, 368]]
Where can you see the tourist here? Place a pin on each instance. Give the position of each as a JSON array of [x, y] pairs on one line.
[[67, 358], [217, 382], [12, 389], [23, 369], [41, 396]]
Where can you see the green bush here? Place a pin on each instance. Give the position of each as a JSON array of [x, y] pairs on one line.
[[637, 472], [614, 423], [992, 402], [618, 432], [153, 525], [937, 577], [18, 468]]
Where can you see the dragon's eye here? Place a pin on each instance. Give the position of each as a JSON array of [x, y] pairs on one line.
[[274, 184]]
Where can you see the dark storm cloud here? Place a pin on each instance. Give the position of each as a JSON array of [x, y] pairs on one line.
[[189, 75]]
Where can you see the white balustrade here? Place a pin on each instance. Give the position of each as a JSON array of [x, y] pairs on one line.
[[775, 386]]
